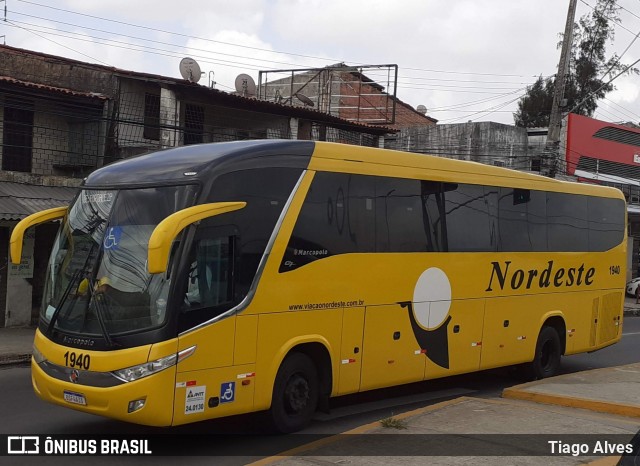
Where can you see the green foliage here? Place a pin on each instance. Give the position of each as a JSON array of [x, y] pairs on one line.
[[393, 423], [533, 108], [589, 71]]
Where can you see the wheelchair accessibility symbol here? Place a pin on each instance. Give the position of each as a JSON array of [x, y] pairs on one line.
[[112, 238], [227, 392]]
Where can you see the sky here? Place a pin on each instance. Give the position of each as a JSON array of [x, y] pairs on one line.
[[465, 60]]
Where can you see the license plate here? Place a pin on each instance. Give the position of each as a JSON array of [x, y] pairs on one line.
[[75, 398]]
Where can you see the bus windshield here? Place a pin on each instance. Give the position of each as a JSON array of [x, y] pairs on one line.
[[97, 280]]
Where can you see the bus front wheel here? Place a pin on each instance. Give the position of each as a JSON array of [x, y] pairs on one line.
[[546, 361], [295, 393]]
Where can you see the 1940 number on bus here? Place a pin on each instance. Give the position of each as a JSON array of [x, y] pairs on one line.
[[80, 361], [614, 270]]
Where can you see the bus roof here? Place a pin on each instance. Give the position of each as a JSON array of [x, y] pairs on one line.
[[200, 161], [204, 161], [347, 158]]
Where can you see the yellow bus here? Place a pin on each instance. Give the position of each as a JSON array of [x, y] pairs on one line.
[[218, 279]]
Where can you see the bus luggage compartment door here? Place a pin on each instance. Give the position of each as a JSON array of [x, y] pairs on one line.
[[609, 318], [392, 355], [351, 350]]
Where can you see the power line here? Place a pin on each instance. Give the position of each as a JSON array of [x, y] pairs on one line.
[[332, 60], [57, 43]]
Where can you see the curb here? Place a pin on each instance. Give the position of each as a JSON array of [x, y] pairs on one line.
[[15, 359], [630, 311], [522, 392], [573, 402]]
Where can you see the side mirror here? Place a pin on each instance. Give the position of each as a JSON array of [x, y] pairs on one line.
[[166, 232], [17, 235]]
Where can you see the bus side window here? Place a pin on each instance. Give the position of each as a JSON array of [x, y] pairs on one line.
[[209, 289]]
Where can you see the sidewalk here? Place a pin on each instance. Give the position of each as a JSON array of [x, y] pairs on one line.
[[16, 345], [581, 409], [630, 307]]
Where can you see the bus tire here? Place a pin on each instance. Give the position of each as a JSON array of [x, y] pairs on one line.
[[546, 361], [295, 393]]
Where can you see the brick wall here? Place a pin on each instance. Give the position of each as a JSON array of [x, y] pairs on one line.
[[50, 140]]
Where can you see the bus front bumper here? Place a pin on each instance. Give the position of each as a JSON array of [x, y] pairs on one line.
[[147, 401]]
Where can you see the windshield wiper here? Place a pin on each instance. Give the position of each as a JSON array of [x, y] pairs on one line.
[[100, 314], [63, 298], [77, 274]]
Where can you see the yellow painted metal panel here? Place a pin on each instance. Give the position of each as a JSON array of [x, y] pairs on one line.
[[157, 390], [233, 387], [351, 350], [365, 160], [280, 332], [464, 338], [100, 361], [594, 322], [610, 317], [391, 355], [17, 235], [246, 339], [214, 346], [163, 235]]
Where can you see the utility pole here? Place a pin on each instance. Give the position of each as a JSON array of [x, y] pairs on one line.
[[552, 150]]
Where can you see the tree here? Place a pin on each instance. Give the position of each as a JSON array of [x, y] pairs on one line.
[[589, 70], [533, 108]]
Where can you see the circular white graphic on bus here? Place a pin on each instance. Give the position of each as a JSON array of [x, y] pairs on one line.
[[432, 298]]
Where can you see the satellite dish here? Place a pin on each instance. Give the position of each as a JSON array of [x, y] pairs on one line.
[[422, 109], [304, 99], [245, 85], [190, 70]]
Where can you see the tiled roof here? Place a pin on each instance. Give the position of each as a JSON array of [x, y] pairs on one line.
[[44, 87], [18, 200], [231, 99]]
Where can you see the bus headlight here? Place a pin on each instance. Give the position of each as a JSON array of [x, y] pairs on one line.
[[37, 355], [132, 373]]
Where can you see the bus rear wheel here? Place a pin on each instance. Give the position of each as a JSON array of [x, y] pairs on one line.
[[546, 361], [295, 393]]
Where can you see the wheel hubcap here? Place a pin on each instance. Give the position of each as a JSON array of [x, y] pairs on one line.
[[296, 395]]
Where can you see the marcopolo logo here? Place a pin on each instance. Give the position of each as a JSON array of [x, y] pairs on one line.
[[23, 444]]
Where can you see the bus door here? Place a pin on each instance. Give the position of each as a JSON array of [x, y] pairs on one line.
[[391, 353], [208, 383]]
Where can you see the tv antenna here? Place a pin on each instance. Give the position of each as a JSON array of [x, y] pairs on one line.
[[245, 85], [304, 99], [190, 70]]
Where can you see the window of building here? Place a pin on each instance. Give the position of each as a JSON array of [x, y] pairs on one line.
[[17, 143], [193, 124], [152, 116]]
